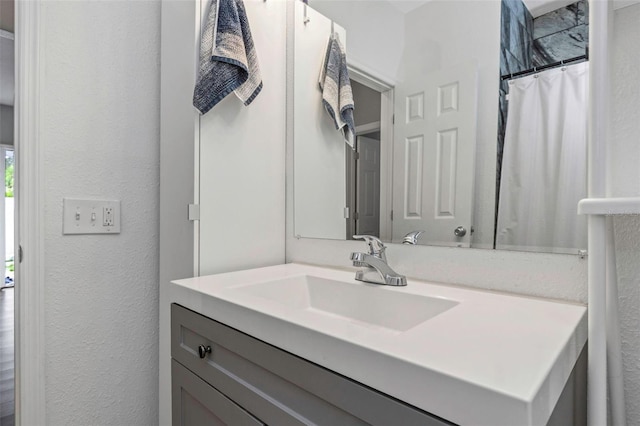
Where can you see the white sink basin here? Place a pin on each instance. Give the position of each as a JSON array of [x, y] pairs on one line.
[[359, 302]]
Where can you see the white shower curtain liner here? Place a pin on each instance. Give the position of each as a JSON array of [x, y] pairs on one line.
[[544, 166]]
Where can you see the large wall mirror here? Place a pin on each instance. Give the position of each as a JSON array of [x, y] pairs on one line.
[[470, 122]]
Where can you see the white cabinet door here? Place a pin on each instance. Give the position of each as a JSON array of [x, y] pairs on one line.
[[434, 155]]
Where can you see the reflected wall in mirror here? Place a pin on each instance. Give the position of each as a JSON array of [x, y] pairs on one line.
[[470, 122]]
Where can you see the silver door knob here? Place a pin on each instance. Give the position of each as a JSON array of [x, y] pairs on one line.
[[460, 231]]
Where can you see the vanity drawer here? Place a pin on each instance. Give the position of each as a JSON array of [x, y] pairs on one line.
[[277, 387], [196, 403]]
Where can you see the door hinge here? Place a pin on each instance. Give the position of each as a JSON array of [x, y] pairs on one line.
[[19, 254], [356, 216], [194, 212], [391, 214], [346, 213], [393, 119], [356, 155]]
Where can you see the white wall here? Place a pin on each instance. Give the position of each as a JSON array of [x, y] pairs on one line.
[[624, 174], [624, 157], [99, 81]]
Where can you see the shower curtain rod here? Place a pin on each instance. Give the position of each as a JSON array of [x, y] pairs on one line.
[[544, 67]]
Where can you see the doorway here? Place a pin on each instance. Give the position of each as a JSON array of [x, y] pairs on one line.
[[369, 162], [363, 164]]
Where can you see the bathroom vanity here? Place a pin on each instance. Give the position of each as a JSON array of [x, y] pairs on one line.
[[299, 344], [220, 372]]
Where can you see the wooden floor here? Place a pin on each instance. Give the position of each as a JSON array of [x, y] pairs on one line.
[[7, 397]]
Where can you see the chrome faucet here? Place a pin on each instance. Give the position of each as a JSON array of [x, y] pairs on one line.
[[374, 264], [412, 237]]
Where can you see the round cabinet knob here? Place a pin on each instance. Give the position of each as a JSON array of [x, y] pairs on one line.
[[460, 231], [204, 350]]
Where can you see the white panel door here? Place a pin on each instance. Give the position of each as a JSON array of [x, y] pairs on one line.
[[368, 186], [319, 162], [434, 155]]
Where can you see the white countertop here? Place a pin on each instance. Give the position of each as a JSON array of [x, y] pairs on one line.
[[493, 359]]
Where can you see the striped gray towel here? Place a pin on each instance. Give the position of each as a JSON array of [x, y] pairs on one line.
[[336, 89], [228, 60]]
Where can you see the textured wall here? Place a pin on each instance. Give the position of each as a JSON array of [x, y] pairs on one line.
[[628, 266], [625, 181], [100, 131]]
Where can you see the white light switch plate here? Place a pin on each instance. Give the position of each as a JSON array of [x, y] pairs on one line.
[[90, 216]]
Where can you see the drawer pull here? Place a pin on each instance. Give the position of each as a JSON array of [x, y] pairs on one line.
[[204, 350]]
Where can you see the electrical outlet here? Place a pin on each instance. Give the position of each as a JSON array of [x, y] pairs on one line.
[[107, 216], [91, 216]]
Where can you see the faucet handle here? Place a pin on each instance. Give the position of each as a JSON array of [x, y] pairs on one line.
[[412, 237], [376, 247]]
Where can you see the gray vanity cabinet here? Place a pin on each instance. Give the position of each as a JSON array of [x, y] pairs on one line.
[[242, 380]]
